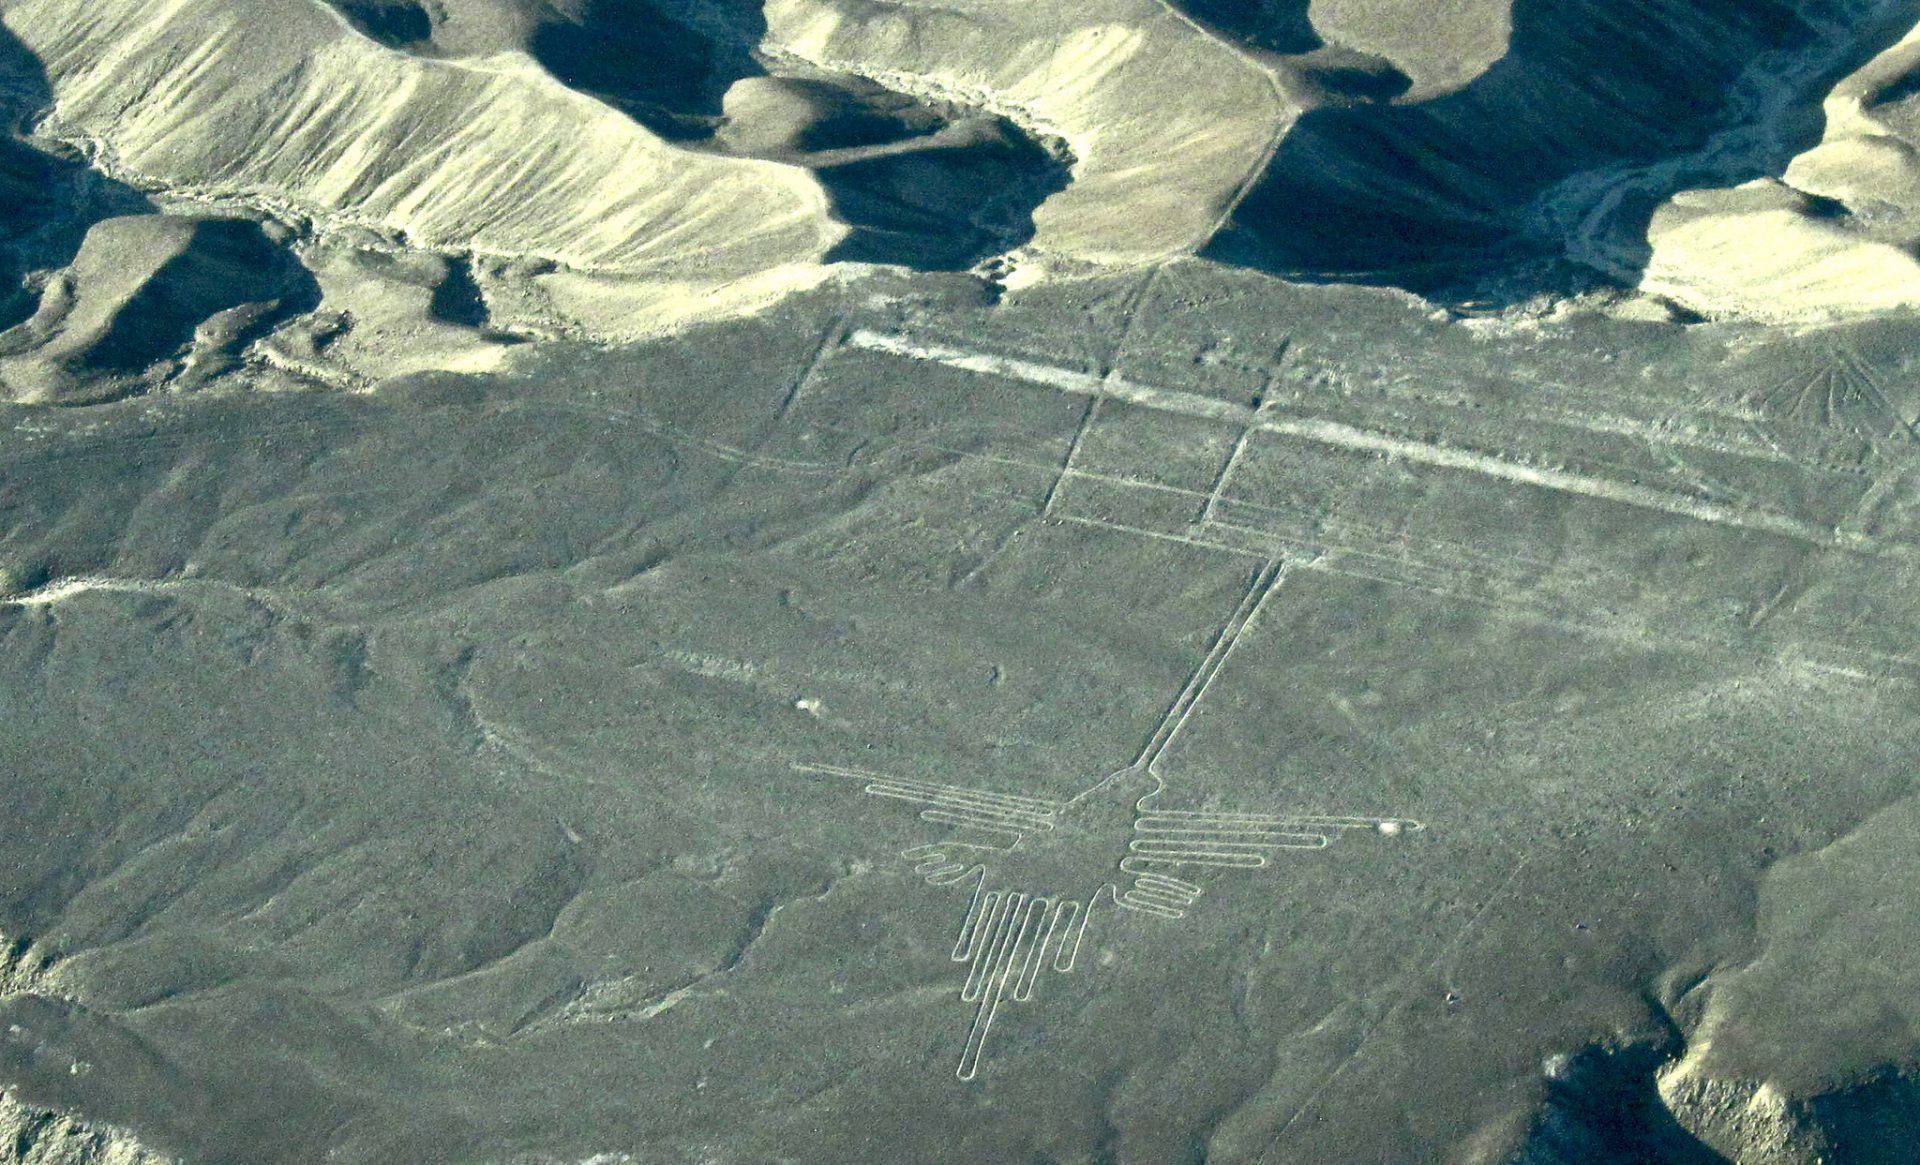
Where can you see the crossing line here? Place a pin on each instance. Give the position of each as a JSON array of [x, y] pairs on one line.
[[1343, 436]]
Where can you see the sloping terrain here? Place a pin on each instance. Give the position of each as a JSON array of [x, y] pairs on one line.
[[142, 290], [1831, 235], [421, 775], [1558, 150], [709, 582], [619, 167]]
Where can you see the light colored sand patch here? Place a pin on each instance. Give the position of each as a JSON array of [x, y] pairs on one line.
[[383, 309], [1758, 252], [1767, 251], [1440, 44]]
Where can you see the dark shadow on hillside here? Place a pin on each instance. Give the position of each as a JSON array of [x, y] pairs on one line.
[[1478, 195], [944, 207], [668, 70], [106, 298], [1875, 1122], [665, 63], [1604, 1106], [921, 185], [47, 203], [1277, 26], [395, 23]]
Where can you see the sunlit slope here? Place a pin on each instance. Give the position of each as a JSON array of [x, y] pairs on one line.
[[1834, 235], [1166, 123], [281, 101], [488, 150], [629, 186]]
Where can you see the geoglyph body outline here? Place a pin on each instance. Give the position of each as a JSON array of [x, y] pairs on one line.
[[1012, 934]]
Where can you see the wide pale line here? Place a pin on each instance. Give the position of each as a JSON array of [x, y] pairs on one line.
[[1342, 436]]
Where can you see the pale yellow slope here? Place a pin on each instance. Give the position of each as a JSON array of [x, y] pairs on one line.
[[1769, 251], [1166, 123], [283, 104], [280, 100]]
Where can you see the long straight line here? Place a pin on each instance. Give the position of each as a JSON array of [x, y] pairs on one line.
[[1264, 584], [1087, 419], [1220, 481], [830, 338], [1344, 436]]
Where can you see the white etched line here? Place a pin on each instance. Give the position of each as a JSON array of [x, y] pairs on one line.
[[1134, 900], [1159, 894], [990, 997], [1026, 960], [982, 821], [961, 804], [1225, 476], [1217, 492], [954, 800], [1049, 949], [1162, 535], [1003, 961], [951, 803], [1136, 305], [995, 932], [1069, 950], [1087, 420], [831, 338], [1344, 436], [1197, 680], [1234, 836], [1233, 830], [1167, 883], [963, 946], [1010, 799], [973, 815], [1157, 902], [1265, 582], [1061, 379], [982, 934], [1173, 853], [1169, 819], [1227, 844], [936, 864], [1043, 950]]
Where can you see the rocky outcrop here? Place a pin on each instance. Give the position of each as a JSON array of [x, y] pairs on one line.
[[1805, 1054], [30, 1135]]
